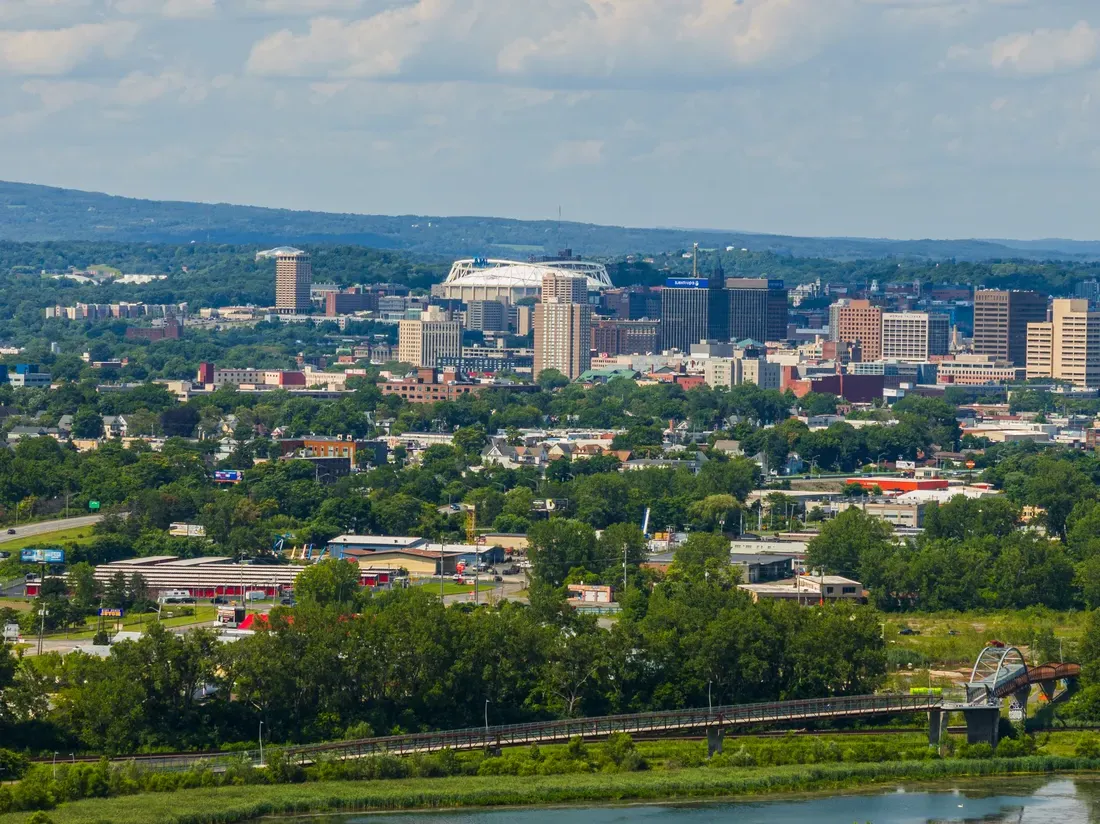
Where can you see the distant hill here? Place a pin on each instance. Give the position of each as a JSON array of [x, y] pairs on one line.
[[41, 213]]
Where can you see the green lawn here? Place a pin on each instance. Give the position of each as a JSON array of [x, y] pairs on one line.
[[203, 614], [451, 588], [60, 537]]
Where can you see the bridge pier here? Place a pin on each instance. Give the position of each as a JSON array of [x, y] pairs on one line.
[[937, 726], [982, 725], [715, 735], [1047, 689]]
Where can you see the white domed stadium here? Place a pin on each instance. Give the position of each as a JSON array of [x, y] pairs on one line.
[[511, 280]]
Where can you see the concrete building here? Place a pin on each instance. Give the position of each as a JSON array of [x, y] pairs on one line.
[[428, 385], [857, 321], [757, 309], [808, 590], [1067, 347], [293, 277], [487, 316], [978, 370], [625, 337], [1001, 319], [422, 342], [729, 372], [914, 336], [563, 326]]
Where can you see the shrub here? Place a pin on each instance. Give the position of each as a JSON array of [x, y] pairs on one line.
[[975, 751], [1088, 747], [12, 764], [1016, 747]]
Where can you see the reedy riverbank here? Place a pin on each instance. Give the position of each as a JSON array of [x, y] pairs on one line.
[[231, 804]]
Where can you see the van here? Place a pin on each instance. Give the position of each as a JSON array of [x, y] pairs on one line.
[[174, 596], [255, 595]]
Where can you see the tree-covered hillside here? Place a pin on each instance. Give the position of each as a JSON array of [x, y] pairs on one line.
[[39, 213]]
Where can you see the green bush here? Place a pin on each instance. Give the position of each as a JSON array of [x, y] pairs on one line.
[[1088, 747], [12, 764], [975, 751]]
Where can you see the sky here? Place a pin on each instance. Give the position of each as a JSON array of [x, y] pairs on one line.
[[871, 118]]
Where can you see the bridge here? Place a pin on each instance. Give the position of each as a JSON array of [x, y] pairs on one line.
[[998, 673]]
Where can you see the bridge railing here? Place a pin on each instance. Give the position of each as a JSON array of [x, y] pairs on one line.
[[1036, 675], [641, 723]]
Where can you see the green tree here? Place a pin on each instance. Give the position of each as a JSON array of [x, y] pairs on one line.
[[87, 423], [849, 542], [332, 582], [558, 546]]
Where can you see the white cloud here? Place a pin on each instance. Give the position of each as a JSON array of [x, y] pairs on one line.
[[1040, 52], [375, 47], [577, 153], [59, 51]]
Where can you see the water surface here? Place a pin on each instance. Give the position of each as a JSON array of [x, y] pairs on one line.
[[993, 801]]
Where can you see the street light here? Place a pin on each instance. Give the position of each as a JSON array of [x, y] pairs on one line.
[[261, 743], [710, 704], [486, 722]]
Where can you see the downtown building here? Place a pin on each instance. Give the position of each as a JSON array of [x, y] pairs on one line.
[[293, 277], [1068, 346], [857, 321], [693, 310], [757, 309], [914, 336], [563, 325], [1001, 320], [422, 342]]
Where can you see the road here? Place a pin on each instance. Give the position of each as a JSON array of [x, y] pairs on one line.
[[45, 527]]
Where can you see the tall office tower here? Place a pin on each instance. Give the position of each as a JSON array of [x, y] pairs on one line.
[[487, 316], [692, 310], [1001, 319], [293, 276], [421, 342], [857, 321], [563, 326], [914, 336], [834, 317], [1068, 346], [757, 309]]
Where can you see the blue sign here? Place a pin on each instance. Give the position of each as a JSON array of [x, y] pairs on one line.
[[775, 284], [42, 556], [228, 476], [687, 283]]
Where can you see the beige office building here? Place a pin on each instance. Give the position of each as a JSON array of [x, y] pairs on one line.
[[422, 342], [730, 372], [914, 336], [563, 326], [859, 321], [293, 277], [1068, 346]]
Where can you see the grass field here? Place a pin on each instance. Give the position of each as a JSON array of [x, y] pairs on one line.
[[242, 803], [60, 537], [451, 588], [203, 614]]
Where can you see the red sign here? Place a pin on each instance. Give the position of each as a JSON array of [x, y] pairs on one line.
[[970, 464]]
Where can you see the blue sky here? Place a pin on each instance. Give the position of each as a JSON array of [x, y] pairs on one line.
[[901, 118]]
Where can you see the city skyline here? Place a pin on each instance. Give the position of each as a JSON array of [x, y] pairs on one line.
[[949, 119]]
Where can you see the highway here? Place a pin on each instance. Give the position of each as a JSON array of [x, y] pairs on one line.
[[45, 527]]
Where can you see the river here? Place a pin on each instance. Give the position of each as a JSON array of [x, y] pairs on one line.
[[995, 801]]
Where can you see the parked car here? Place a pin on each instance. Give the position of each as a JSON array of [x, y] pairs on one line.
[[907, 631], [498, 578], [511, 570], [288, 602], [11, 531], [219, 599]]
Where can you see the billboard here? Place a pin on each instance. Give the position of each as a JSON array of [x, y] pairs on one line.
[[110, 612], [228, 476], [687, 283], [42, 556], [906, 464], [774, 283]]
